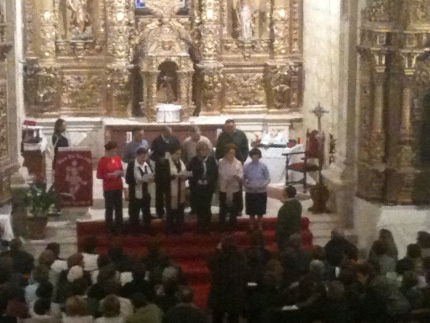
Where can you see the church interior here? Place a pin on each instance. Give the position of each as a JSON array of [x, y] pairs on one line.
[[357, 72]]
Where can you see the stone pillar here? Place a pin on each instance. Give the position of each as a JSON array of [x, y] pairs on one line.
[[150, 95], [211, 87], [119, 49]]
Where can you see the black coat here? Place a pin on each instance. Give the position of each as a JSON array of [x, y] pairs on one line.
[[196, 166], [159, 147], [131, 181]]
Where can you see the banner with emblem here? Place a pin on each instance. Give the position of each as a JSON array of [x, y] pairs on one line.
[[74, 177]]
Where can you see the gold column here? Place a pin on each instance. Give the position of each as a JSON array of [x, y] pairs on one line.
[[48, 34], [406, 109], [378, 110], [210, 30], [150, 95]]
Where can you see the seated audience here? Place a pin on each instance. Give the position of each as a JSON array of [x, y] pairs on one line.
[[59, 264], [110, 308], [38, 275], [386, 236], [145, 311], [23, 262], [412, 261], [89, 252], [76, 311], [4, 244], [138, 284], [51, 310], [380, 256], [339, 249], [114, 288], [423, 241], [227, 267], [102, 261], [185, 311], [118, 257], [410, 290]]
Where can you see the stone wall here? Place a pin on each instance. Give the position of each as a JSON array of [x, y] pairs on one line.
[[8, 111]]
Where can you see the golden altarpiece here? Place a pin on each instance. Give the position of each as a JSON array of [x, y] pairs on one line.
[[394, 153], [122, 57]]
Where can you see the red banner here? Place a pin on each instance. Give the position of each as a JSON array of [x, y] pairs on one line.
[[74, 177]]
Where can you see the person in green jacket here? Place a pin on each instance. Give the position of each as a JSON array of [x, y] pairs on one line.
[[289, 217], [231, 135]]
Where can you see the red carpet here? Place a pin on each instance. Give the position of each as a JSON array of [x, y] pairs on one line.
[[190, 250]]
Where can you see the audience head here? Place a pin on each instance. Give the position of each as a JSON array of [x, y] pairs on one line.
[[46, 258], [186, 294], [364, 272], [15, 245], [77, 259], [106, 274], [115, 250], [110, 148], [55, 248], [290, 192], [423, 239], [386, 235], [202, 149], [90, 244], [138, 134], [110, 306], [76, 306], [380, 247], [79, 287], [230, 152], [75, 273], [229, 126], [410, 279], [167, 132], [40, 274], [316, 269], [195, 133], [141, 155], [295, 241], [257, 239], [413, 251], [59, 126], [318, 253], [335, 290], [175, 153], [139, 271], [255, 154], [45, 290], [139, 300], [103, 260], [228, 244], [112, 287], [337, 234], [42, 306]]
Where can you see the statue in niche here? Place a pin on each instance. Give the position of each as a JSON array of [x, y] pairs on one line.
[[245, 13], [80, 16], [165, 92]]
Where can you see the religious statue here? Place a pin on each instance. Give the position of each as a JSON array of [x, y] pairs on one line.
[[80, 18], [165, 93], [245, 13]]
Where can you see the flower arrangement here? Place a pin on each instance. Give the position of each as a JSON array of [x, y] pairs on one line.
[[41, 199]]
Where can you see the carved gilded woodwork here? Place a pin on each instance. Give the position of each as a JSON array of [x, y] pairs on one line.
[[109, 38], [393, 82], [245, 89], [82, 93]]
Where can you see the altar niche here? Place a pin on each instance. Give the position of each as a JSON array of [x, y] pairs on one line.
[[167, 83]]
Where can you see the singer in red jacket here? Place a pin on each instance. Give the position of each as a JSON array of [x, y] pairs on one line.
[[110, 170]]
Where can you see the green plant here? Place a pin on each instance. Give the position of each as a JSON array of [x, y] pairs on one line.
[[41, 199]]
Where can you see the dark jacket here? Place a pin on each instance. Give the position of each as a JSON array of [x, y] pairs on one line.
[[239, 139], [131, 181], [338, 248], [228, 281], [196, 166], [289, 220], [58, 141], [159, 147], [185, 313]]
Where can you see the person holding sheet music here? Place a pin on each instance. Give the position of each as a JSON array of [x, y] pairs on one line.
[[139, 175], [109, 169], [176, 191]]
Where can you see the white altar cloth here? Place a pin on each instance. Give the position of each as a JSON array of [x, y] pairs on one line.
[[168, 112], [5, 214], [276, 162]]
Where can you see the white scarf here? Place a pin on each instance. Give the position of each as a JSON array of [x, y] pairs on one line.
[[139, 178], [176, 184]]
